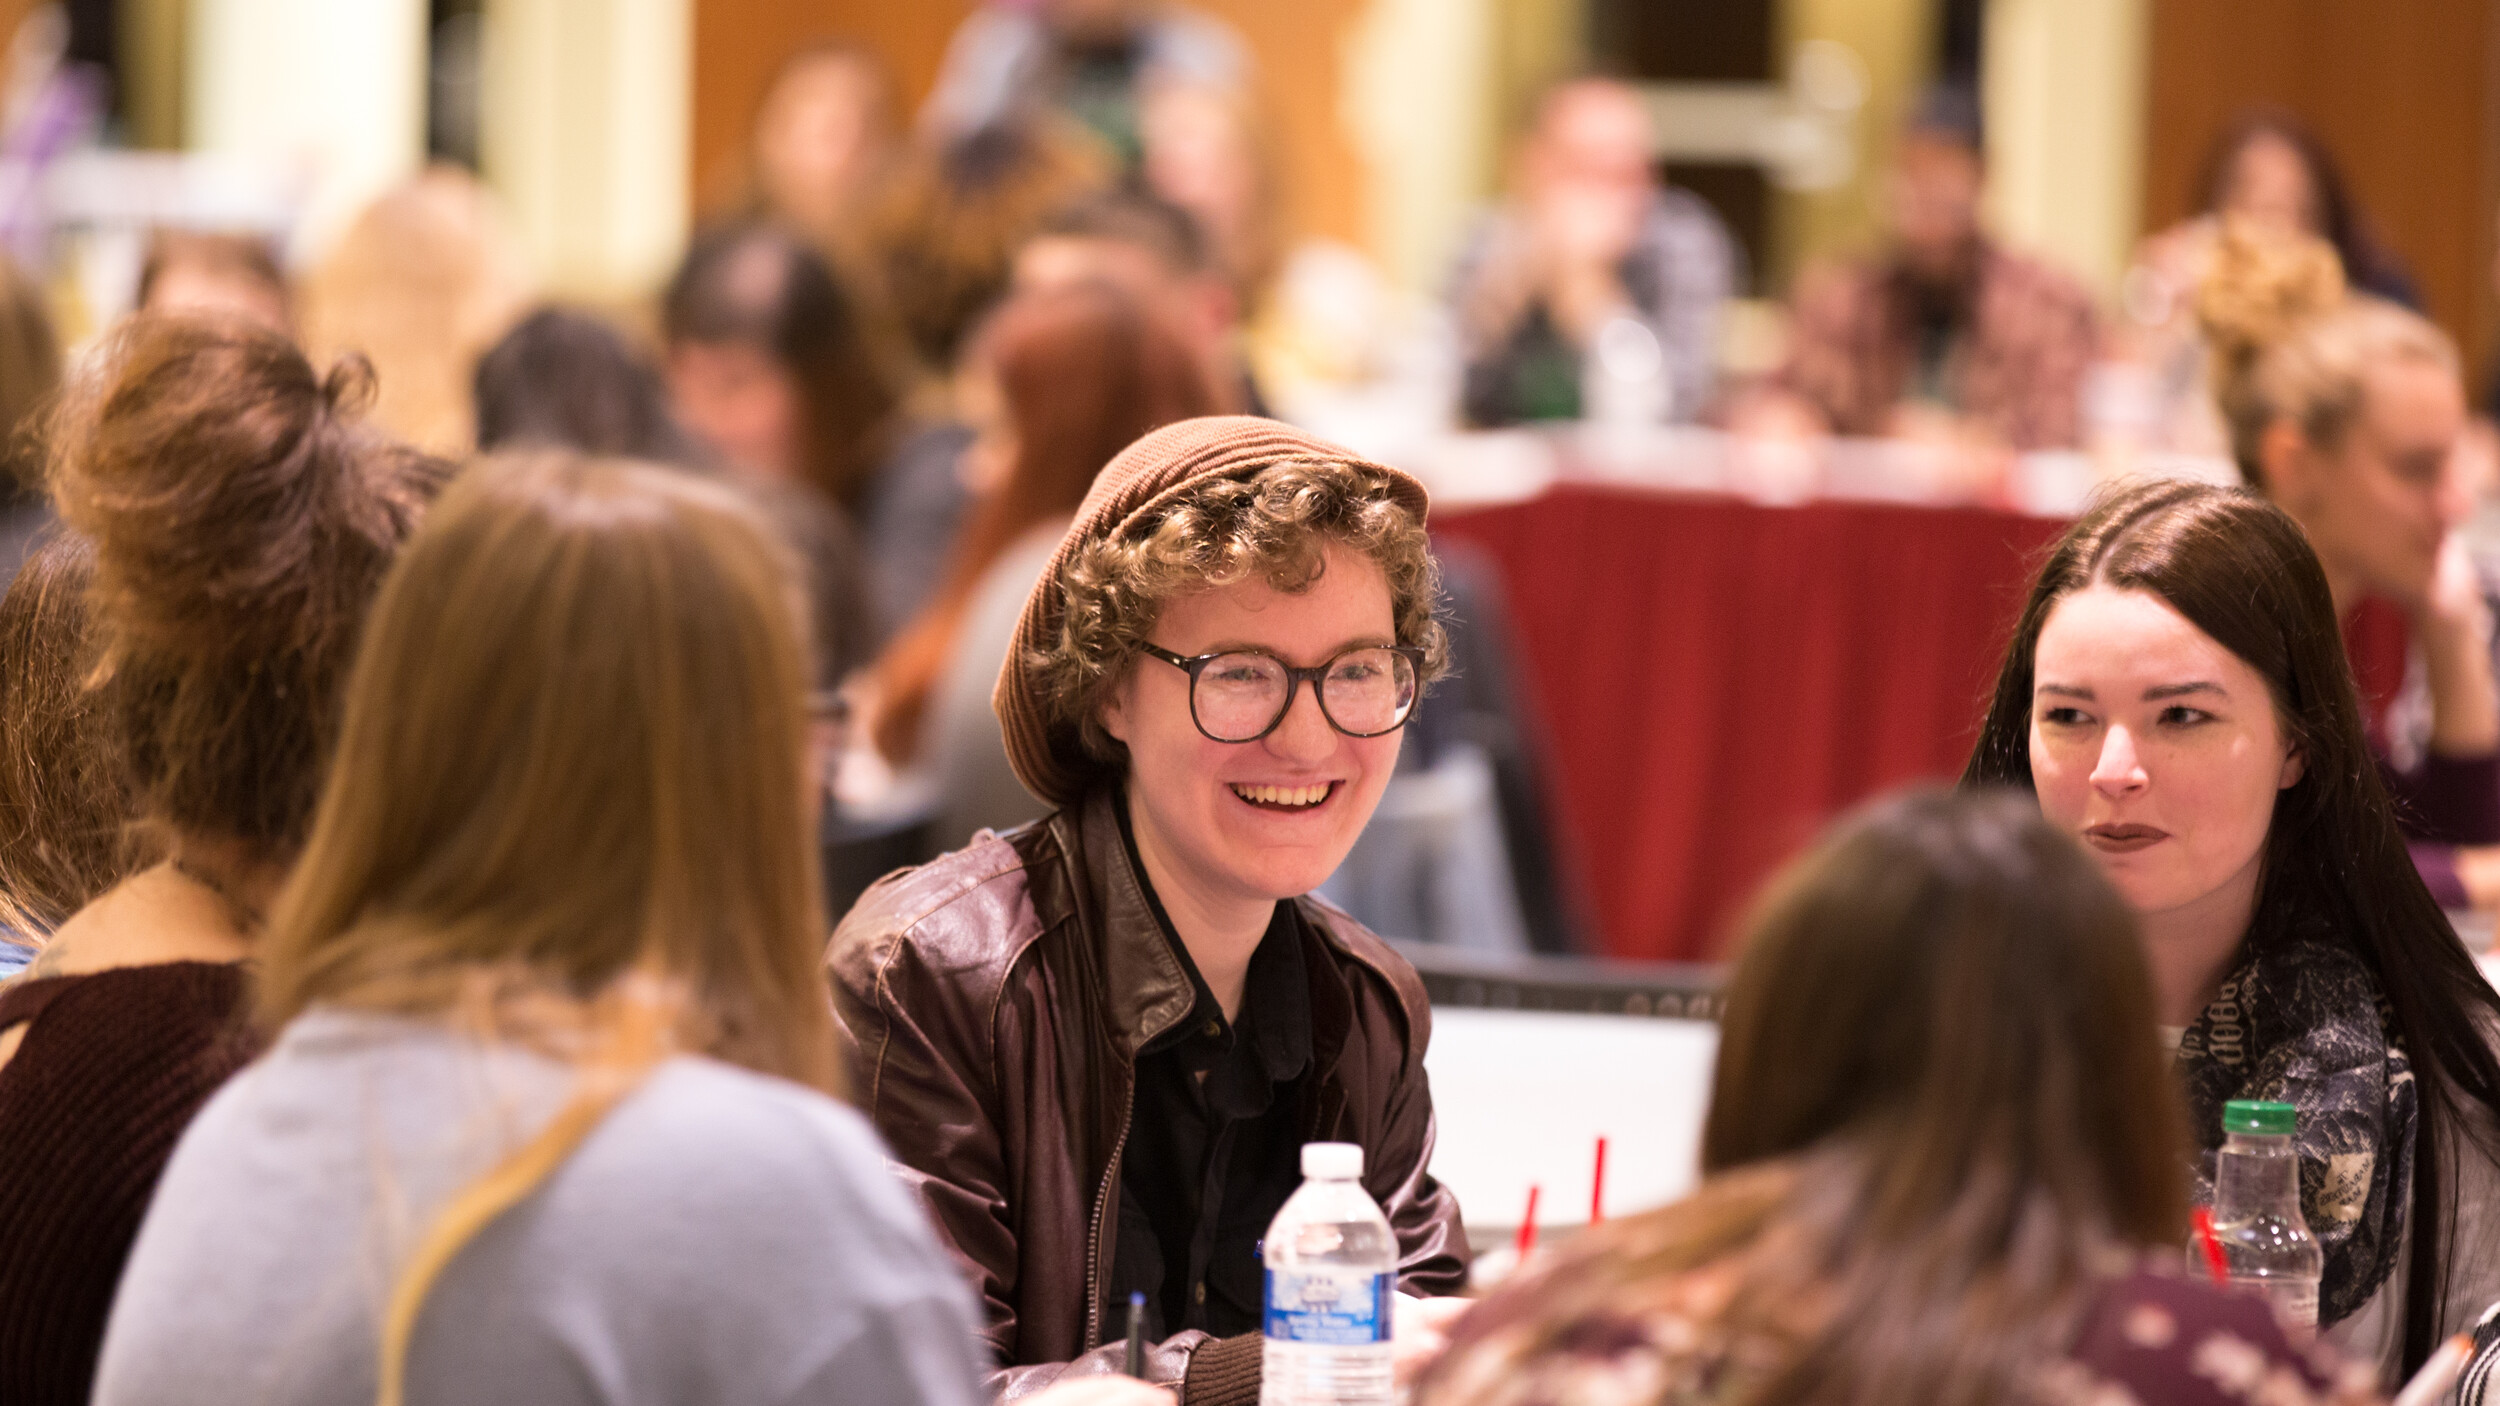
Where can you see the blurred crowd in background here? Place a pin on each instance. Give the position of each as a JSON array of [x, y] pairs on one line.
[[914, 335]]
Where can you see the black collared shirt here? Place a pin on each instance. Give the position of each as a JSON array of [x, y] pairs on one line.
[[1215, 1138]]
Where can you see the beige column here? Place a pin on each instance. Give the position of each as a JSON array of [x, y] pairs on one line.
[[1420, 102], [334, 89], [2065, 103], [584, 131]]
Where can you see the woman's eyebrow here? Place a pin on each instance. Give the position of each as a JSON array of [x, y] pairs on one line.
[[1252, 647], [2180, 690], [2063, 690]]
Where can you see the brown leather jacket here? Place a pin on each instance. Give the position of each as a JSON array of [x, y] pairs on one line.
[[995, 1001]]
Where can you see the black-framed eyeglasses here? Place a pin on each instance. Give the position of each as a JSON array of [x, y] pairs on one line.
[[1240, 695]]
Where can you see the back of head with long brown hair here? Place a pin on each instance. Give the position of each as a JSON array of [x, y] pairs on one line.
[[65, 807], [574, 747], [1081, 371], [2239, 569], [242, 519], [1938, 1118]]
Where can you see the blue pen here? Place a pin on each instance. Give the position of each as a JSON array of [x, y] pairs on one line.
[[1137, 1336]]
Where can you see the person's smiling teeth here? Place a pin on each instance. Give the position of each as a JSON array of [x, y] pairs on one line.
[[1283, 795]]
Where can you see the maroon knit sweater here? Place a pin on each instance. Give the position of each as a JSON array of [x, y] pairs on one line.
[[112, 1067]]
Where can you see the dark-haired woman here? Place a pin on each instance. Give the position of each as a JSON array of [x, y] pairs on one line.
[[2176, 695], [1942, 1165], [242, 519]]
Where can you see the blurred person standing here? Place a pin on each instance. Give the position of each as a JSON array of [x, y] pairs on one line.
[[1157, 253], [242, 518], [1060, 382], [1091, 60], [1946, 334], [1591, 252], [550, 1115], [421, 284], [563, 379], [193, 271]]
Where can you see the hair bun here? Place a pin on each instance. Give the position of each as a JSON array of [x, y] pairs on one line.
[[351, 386], [2260, 284]]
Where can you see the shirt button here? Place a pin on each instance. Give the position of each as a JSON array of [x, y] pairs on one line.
[[1214, 1028], [1199, 1293]]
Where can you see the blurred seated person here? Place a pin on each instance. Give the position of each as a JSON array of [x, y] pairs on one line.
[[1091, 60], [1208, 152], [199, 272], [1942, 1164], [1591, 250], [775, 373], [825, 137], [1060, 382], [1946, 334], [2348, 411], [1157, 254], [959, 207], [563, 379], [421, 284], [1097, 1043], [2269, 172]]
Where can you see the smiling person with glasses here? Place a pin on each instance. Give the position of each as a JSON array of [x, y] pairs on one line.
[[1098, 1042]]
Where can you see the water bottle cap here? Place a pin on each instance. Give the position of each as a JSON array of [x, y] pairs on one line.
[[1332, 1161], [2249, 1115]]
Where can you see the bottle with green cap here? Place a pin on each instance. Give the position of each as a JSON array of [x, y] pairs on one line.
[[2266, 1244]]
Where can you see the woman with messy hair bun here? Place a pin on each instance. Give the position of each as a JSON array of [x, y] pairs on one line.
[[242, 518], [2347, 411]]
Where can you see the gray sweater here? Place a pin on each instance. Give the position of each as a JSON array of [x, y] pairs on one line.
[[720, 1237]]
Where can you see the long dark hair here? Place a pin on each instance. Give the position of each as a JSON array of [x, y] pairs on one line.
[[753, 283], [1937, 1122], [2242, 571], [2368, 263]]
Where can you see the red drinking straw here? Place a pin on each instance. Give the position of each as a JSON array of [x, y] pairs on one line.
[[1597, 1186], [2214, 1261], [1527, 1226]]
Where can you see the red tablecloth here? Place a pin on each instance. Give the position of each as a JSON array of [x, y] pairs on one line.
[[1718, 679]]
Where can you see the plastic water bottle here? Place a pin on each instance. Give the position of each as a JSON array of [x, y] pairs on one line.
[[1331, 1269], [2266, 1244]]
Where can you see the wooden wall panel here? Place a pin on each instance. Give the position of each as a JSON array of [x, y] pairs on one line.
[[1298, 44], [2403, 93]]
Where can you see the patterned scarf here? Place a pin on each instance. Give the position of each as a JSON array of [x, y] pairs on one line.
[[2301, 1020]]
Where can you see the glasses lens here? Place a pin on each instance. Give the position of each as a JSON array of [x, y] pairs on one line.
[[1238, 695], [1369, 690]]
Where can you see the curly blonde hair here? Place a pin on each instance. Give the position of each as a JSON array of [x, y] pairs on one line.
[[1273, 525], [2290, 341]]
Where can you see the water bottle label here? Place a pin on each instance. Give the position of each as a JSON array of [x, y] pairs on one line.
[[1328, 1308]]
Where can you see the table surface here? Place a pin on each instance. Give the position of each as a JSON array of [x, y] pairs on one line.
[[1716, 678], [1522, 1097]]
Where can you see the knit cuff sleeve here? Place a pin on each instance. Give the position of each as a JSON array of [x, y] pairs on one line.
[[1224, 1372]]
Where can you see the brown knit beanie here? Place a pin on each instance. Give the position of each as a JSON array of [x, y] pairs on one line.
[[1132, 491]]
